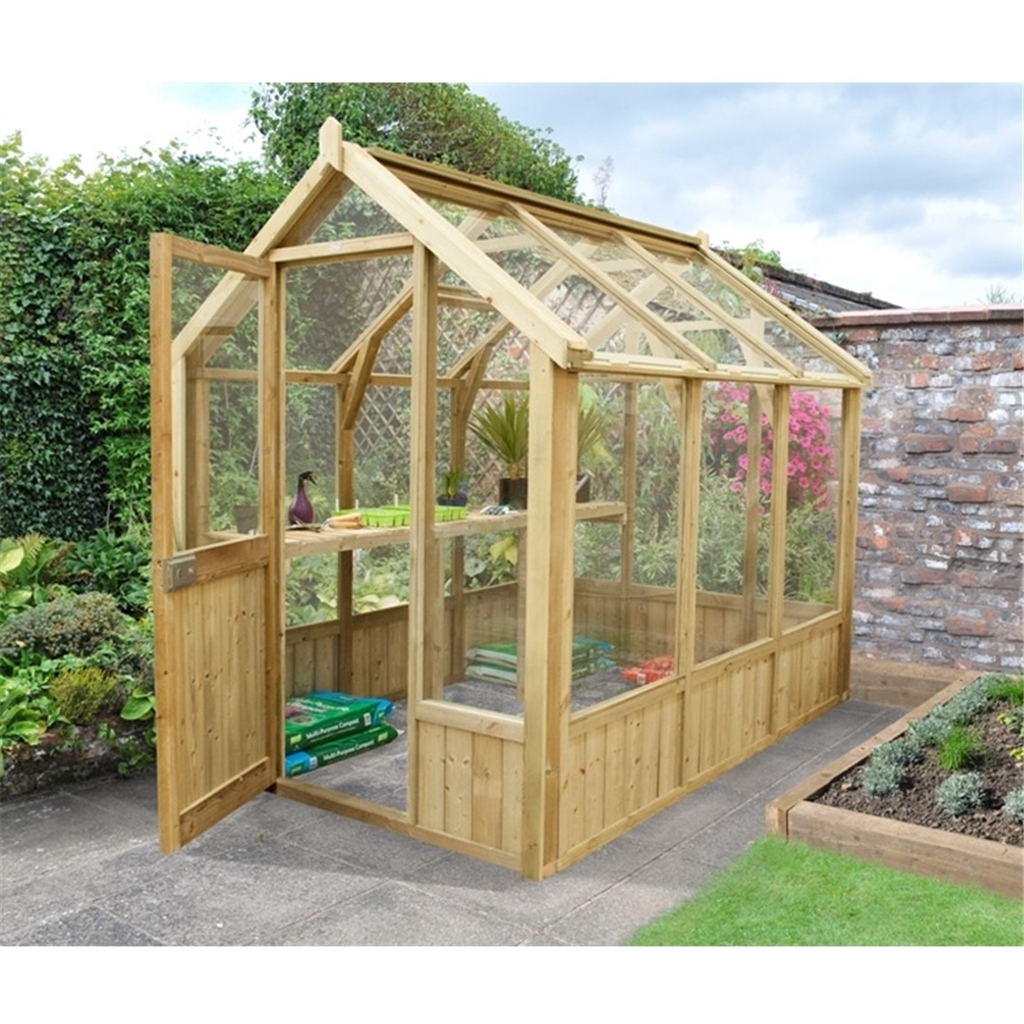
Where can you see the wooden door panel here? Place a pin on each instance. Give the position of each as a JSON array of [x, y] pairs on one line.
[[216, 607]]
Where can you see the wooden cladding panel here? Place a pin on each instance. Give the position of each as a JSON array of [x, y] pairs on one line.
[[223, 726], [728, 712], [470, 785], [810, 675], [616, 767]]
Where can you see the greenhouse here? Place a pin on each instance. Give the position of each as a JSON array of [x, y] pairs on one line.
[[568, 498]]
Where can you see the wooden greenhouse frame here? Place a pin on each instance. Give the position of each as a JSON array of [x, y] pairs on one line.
[[536, 790]]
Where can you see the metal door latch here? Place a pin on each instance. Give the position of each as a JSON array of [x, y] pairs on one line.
[[179, 571]]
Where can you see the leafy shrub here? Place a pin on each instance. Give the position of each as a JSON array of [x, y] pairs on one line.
[[959, 793], [1013, 805], [960, 748], [74, 625], [932, 729], [32, 571], [881, 778], [84, 692], [901, 751], [26, 708], [972, 701], [117, 564]]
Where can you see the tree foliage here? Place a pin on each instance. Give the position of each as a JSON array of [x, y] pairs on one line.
[[433, 121]]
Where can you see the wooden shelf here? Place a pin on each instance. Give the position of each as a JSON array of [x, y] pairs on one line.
[[299, 543]]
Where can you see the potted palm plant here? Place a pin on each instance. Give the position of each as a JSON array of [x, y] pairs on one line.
[[504, 430], [594, 423]]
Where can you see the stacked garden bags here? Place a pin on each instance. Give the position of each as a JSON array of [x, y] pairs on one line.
[[498, 663], [324, 727]]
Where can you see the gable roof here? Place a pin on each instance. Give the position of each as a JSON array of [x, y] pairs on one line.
[[662, 302]]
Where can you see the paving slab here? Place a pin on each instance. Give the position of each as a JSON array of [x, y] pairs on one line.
[[82, 866]]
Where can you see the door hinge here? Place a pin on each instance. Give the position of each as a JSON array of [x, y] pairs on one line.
[[179, 571]]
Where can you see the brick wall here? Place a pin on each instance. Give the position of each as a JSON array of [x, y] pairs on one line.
[[940, 541]]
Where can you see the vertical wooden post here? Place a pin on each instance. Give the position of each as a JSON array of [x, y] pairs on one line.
[[777, 543], [345, 444], [752, 498], [164, 460], [272, 513], [627, 610], [554, 424], [426, 604], [459, 417], [686, 652], [846, 528]]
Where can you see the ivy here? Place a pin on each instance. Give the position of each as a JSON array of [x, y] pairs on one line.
[[74, 322]]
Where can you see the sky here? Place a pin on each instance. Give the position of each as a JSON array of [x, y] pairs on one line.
[[909, 191]]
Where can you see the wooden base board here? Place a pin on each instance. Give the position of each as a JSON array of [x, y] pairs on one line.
[[997, 867], [901, 684]]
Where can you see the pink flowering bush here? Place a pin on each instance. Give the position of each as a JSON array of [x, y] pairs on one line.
[[812, 455]]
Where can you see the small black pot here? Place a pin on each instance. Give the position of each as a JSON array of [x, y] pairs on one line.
[[458, 499], [512, 492], [583, 487]]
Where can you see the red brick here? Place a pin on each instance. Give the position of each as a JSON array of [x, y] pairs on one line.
[[922, 575], [964, 414], [967, 492], [919, 380], [862, 334], [916, 444], [983, 361], [963, 626]]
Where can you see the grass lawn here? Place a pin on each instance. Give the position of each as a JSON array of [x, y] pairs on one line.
[[788, 894]]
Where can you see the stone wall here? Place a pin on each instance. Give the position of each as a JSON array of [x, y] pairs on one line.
[[941, 508]]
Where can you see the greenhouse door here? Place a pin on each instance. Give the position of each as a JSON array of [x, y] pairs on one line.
[[217, 532]]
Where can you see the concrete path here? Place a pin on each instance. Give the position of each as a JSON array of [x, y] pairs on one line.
[[81, 867]]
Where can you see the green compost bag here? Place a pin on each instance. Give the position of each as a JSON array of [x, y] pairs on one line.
[[302, 761], [316, 717]]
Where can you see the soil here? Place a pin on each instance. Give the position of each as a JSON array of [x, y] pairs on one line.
[[915, 802]]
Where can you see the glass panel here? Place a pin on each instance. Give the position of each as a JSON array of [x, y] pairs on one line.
[[483, 621], [815, 433], [215, 414], [355, 215], [382, 447], [734, 517], [310, 448], [328, 306], [625, 599], [380, 578], [311, 590]]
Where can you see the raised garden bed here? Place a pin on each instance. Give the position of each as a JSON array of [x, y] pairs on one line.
[[944, 848]]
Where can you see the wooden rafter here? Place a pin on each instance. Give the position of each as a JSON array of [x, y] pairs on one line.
[[507, 296], [652, 323], [777, 310], [712, 309]]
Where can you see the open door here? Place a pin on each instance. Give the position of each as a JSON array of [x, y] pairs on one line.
[[217, 532]]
